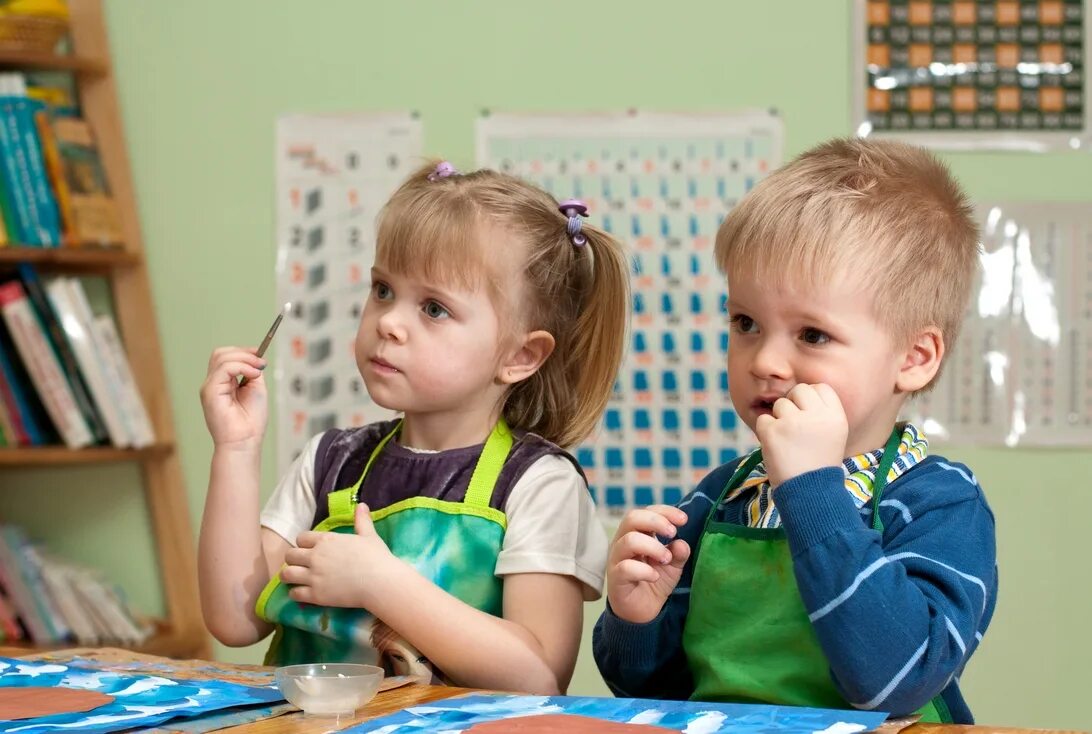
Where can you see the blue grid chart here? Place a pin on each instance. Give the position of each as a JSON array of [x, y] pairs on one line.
[[334, 173], [662, 184]]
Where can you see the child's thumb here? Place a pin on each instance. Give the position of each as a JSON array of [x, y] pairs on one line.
[[680, 553], [362, 520]]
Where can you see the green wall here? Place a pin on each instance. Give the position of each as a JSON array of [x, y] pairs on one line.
[[202, 81]]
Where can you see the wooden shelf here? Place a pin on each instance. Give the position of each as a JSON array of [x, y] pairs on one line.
[[165, 642], [124, 268], [54, 456], [57, 259], [53, 62]]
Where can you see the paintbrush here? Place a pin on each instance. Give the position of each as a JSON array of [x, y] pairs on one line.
[[268, 336]]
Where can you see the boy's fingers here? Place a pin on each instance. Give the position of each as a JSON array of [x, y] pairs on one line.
[[672, 513], [634, 571], [639, 545], [658, 519], [680, 553], [804, 397], [783, 407], [826, 393]]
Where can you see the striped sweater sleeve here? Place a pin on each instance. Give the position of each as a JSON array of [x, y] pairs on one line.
[[899, 615]]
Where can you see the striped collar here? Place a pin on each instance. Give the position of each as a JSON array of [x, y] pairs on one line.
[[860, 476]]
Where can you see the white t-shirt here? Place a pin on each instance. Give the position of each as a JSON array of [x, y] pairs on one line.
[[552, 523]]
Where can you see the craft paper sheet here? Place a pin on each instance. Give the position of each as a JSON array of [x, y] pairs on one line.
[[661, 183], [139, 700], [967, 74], [464, 714], [334, 173]]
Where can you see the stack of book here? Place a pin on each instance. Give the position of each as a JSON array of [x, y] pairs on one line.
[[53, 188], [48, 601], [64, 374]]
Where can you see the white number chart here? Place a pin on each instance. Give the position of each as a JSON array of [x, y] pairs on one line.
[[334, 173], [1021, 372], [662, 183]]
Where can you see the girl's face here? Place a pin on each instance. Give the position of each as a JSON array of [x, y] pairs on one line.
[[423, 348]]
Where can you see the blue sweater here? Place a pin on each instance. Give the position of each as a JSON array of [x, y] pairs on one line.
[[897, 616]]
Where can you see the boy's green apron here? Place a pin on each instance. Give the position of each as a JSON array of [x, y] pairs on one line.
[[452, 544], [747, 635]]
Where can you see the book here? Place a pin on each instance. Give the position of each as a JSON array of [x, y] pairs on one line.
[[52, 156], [105, 601], [8, 435], [132, 402], [42, 365], [63, 350], [25, 175], [17, 585], [95, 216], [9, 619], [85, 346], [17, 390], [60, 581], [32, 565]]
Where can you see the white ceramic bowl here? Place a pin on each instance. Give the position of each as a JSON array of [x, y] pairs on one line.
[[328, 689]]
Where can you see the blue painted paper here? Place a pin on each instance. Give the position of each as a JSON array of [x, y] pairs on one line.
[[459, 714], [139, 700]]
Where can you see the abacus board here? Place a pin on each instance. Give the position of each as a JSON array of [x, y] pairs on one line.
[[334, 173], [662, 183], [973, 73]]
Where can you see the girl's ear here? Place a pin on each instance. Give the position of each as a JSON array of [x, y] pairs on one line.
[[922, 361], [527, 358]]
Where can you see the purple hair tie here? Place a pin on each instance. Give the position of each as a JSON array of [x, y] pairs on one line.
[[443, 170], [574, 209]]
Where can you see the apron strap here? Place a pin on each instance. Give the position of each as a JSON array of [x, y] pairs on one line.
[[745, 467], [482, 481], [342, 501], [890, 453], [489, 466]]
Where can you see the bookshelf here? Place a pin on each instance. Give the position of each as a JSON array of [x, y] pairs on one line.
[[182, 632]]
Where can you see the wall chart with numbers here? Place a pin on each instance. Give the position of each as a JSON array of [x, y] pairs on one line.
[[1021, 372], [334, 173], [973, 73], [662, 183]]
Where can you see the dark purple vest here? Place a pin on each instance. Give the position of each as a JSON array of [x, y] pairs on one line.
[[398, 473]]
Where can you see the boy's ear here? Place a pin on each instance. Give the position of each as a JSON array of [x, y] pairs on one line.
[[526, 359], [922, 361]]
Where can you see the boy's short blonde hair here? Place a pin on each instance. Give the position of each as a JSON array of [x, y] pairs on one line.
[[887, 214]]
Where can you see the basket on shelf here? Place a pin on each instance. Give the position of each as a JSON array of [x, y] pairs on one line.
[[32, 25]]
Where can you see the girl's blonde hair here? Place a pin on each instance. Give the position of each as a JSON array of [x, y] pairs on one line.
[[463, 228]]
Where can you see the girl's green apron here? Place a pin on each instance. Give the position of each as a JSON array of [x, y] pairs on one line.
[[747, 635], [452, 544]]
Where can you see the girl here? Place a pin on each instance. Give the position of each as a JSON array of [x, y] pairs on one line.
[[495, 325]]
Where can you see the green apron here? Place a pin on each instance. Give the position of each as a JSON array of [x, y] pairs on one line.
[[747, 636], [452, 544]]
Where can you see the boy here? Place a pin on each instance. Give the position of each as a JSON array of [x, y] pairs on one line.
[[839, 565]]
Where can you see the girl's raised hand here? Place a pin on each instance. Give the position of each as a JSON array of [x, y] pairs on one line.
[[641, 571], [235, 415]]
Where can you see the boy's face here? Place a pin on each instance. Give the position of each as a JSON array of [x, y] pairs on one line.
[[820, 330]]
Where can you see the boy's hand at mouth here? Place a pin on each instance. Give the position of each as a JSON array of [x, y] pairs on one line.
[[806, 431]]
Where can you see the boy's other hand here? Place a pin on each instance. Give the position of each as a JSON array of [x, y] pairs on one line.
[[807, 431], [641, 571]]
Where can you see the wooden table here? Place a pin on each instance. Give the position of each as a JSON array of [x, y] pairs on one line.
[[389, 702]]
